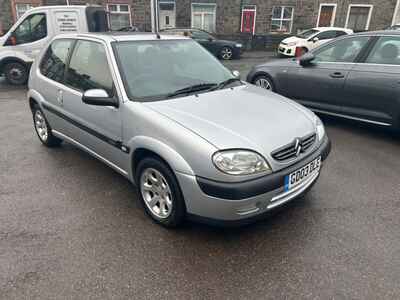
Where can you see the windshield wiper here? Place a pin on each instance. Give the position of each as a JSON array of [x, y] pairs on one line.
[[192, 89], [225, 83]]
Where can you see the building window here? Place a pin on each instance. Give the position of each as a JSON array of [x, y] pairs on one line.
[[359, 16], [120, 16], [248, 19], [282, 19], [203, 16], [21, 8], [326, 15]]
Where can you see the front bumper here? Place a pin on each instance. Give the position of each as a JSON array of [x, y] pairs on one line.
[[240, 203], [286, 50]]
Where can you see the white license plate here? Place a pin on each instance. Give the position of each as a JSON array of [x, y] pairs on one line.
[[301, 175]]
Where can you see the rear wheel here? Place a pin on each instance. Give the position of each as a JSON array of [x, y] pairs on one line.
[[159, 192], [16, 73], [264, 82], [43, 128]]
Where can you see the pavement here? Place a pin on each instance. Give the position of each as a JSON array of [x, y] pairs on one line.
[[72, 228]]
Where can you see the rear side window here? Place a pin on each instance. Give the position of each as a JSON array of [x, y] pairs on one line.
[[326, 35], [340, 33], [32, 29], [54, 61], [89, 69], [386, 51]]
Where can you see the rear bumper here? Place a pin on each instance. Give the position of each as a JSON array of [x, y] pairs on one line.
[[240, 203]]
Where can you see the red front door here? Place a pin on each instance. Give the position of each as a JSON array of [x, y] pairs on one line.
[[248, 21]]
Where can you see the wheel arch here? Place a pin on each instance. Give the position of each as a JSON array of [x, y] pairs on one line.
[[10, 59]]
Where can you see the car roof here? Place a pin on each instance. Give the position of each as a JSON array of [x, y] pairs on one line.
[[331, 28], [53, 7], [121, 36], [379, 32]]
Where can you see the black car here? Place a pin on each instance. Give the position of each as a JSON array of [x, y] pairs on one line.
[[223, 49], [355, 77]]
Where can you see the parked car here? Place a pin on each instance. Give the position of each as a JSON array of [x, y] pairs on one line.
[[27, 37], [129, 29], [167, 115], [223, 49], [309, 39], [354, 77]]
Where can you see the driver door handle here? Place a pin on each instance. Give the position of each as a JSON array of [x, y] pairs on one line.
[[336, 75], [60, 97]]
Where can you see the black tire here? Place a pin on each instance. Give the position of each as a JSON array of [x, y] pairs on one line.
[[50, 140], [259, 79], [16, 73], [178, 212], [226, 53]]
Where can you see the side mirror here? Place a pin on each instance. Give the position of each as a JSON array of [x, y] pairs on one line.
[[236, 73], [98, 97], [306, 59], [210, 39], [11, 41], [315, 40]]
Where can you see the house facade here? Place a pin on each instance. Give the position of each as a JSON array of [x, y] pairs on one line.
[[230, 17]]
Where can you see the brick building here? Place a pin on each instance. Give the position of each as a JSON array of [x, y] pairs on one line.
[[231, 17]]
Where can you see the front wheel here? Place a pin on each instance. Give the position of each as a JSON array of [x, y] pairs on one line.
[[16, 73], [226, 53], [159, 192], [43, 129], [264, 82]]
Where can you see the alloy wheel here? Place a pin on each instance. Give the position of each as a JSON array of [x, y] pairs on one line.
[[263, 83], [156, 193], [226, 53], [41, 126]]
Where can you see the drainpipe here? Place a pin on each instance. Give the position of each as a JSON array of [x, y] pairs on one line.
[[154, 15]]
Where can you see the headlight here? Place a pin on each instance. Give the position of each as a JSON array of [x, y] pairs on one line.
[[292, 44], [320, 128], [238, 45], [240, 162]]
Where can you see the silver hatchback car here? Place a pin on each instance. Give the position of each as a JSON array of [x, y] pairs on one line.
[[198, 142]]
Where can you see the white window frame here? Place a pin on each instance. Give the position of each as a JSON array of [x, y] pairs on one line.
[[334, 5], [281, 19], [202, 21], [396, 12], [370, 6], [255, 16], [119, 12], [29, 6]]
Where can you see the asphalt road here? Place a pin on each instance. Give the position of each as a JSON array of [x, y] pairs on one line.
[[70, 227]]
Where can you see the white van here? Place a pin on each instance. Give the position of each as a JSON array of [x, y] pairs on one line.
[[20, 45]]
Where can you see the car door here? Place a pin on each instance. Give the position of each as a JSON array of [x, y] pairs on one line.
[[30, 35], [52, 69], [372, 89], [320, 84], [98, 128]]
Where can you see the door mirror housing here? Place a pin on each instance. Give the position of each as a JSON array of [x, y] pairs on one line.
[[236, 73], [98, 97], [306, 59], [12, 40], [210, 39], [315, 40]]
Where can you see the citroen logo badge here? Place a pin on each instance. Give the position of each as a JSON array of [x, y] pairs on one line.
[[297, 146]]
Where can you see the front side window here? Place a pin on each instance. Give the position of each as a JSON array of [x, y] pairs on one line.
[[21, 8], [54, 61], [153, 69], [386, 51], [326, 35], [203, 17], [345, 50], [32, 29], [200, 35], [282, 19], [88, 68], [307, 33], [120, 16]]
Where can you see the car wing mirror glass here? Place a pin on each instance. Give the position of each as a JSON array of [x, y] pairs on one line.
[[306, 59], [98, 97]]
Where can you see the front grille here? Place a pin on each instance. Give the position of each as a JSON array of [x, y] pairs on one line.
[[290, 151]]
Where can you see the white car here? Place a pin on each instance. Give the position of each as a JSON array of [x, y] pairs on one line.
[[310, 39]]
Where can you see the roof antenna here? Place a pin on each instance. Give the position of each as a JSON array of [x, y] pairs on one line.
[[158, 35]]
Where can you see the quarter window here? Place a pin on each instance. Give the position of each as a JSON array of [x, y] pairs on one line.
[[203, 16], [326, 35], [88, 68], [345, 50], [55, 59], [386, 51], [282, 19], [120, 16], [32, 29]]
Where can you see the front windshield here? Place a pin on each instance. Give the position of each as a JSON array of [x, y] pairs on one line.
[[307, 33], [154, 69]]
